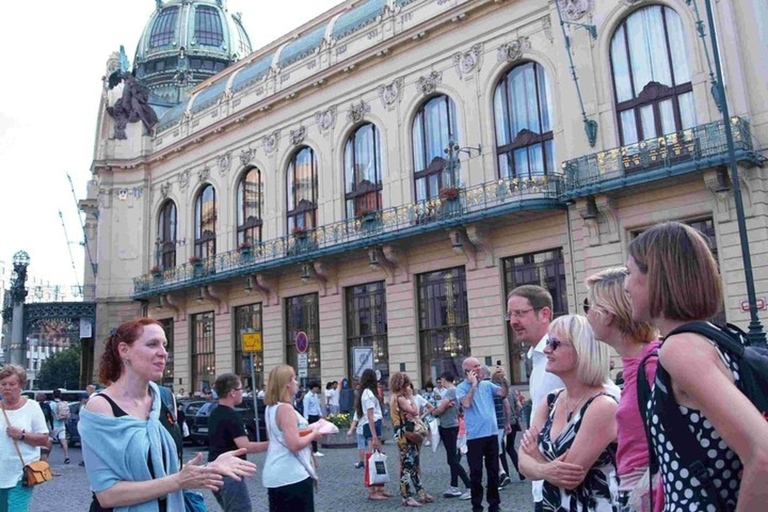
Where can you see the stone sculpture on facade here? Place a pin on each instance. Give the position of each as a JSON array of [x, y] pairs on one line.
[[131, 106]]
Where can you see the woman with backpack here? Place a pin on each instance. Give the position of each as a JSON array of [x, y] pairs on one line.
[[711, 442], [130, 452], [610, 315]]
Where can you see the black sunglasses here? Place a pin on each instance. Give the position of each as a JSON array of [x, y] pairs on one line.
[[553, 343], [586, 306]]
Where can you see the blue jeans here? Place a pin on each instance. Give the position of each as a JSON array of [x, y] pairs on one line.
[[15, 499], [233, 496]]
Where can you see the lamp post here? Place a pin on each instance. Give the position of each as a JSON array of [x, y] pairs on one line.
[[756, 334]]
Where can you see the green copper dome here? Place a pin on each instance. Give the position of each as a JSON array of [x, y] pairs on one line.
[[186, 42]]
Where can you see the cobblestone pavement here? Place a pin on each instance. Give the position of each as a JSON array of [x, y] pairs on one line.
[[341, 485]]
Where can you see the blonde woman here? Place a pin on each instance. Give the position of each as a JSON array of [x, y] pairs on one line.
[[610, 314], [289, 471], [571, 442], [403, 409]]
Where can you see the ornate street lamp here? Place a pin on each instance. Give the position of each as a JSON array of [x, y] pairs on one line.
[[756, 334]]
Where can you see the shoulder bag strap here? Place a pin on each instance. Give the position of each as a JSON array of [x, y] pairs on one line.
[[15, 443], [643, 395]]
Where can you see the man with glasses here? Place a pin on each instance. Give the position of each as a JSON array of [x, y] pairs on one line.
[[226, 432], [529, 312]]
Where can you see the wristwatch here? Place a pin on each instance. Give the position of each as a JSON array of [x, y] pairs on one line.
[[23, 434]]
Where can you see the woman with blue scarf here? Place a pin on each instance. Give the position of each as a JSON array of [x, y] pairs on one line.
[[132, 459]]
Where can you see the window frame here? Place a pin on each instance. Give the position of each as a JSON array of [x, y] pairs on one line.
[[205, 242], [249, 228], [653, 93], [167, 234], [365, 196], [525, 138], [368, 301], [256, 313], [304, 209], [425, 170], [302, 314], [202, 349]]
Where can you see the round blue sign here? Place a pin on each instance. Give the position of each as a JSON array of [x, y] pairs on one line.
[[302, 342]]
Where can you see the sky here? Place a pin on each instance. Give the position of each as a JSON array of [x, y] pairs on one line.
[[53, 55]]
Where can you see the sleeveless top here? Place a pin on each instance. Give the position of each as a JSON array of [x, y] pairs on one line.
[[682, 490], [284, 467], [598, 491], [117, 412]]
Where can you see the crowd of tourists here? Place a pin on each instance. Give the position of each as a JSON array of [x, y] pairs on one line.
[[686, 432]]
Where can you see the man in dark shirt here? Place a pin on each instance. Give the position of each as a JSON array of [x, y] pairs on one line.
[[226, 432]]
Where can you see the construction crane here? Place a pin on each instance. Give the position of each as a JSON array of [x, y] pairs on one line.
[[82, 226], [69, 248]]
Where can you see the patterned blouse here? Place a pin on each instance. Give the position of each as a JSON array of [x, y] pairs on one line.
[[598, 491]]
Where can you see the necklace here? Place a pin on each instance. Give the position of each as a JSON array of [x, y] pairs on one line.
[[570, 410]]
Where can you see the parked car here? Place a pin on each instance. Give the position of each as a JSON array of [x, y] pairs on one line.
[[188, 407], [199, 427]]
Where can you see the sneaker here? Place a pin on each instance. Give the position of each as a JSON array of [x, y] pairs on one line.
[[318, 454], [466, 496], [66, 461], [452, 492], [359, 465], [504, 481]]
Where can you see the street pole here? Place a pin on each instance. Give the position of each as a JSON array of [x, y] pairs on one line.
[[756, 334], [255, 396]]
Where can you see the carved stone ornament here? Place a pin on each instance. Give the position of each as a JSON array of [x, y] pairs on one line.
[[165, 188], [514, 50], [469, 61], [246, 156], [391, 93], [270, 141], [203, 174], [297, 136], [183, 180], [357, 111], [122, 194], [428, 84], [326, 120], [137, 192], [546, 25], [575, 9], [223, 162]]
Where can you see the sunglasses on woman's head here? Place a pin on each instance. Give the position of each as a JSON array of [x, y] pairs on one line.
[[586, 306]]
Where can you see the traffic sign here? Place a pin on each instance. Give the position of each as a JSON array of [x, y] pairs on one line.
[[251, 341], [302, 342]]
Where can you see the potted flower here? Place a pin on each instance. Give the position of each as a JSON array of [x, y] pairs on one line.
[[449, 193], [299, 232], [366, 215], [195, 261], [245, 246], [155, 271]]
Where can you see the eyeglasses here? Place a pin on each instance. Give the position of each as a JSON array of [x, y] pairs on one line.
[[553, 343], [586, 306], [517, 313], [238, 389]]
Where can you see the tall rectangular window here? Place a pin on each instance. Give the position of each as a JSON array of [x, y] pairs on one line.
[[203, 356], [302, 315], [167, 324], [248, 322], [545, 269], [367, 330], [443, 322]]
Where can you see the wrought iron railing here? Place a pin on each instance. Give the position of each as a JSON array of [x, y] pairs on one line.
[[472, 204], [672, 154]]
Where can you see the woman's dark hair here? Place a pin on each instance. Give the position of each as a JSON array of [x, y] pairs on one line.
[[367, 381], [111, 365], [428, 385], [328, 385]]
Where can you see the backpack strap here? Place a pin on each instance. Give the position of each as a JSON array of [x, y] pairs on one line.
[[692, 455], [643, 395], [167, 398], [709, 331]]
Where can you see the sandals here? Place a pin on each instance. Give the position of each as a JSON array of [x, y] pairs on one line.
[[410, 502], [427, 499], [385, 494], [377, 497]]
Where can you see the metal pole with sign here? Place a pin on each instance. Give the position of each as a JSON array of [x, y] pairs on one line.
[[251, 345]]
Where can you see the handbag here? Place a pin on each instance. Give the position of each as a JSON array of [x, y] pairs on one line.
[[376, 468], [194, 502], [34, 473]]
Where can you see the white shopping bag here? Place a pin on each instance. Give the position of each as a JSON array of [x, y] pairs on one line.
[[434, 434], [377, 468]]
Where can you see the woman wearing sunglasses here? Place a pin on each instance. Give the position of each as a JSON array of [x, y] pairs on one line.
[[610, 314], [572, 439]]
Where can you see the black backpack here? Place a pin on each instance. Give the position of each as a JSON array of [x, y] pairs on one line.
[[753, 382]]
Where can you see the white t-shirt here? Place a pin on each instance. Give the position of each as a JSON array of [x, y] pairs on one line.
[[370, 401], [420, 402], [30, 418], [333, 397]]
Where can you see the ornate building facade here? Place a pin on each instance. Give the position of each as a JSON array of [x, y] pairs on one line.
[[365, 191]]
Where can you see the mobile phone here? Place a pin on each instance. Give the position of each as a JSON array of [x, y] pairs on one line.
[[498, 362]]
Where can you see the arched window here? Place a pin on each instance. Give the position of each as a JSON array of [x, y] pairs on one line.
[[651, 78], [166, 236], [250, 201], [362, 171], [205, 223], [433, 128], [302, 190], [522, 111]]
